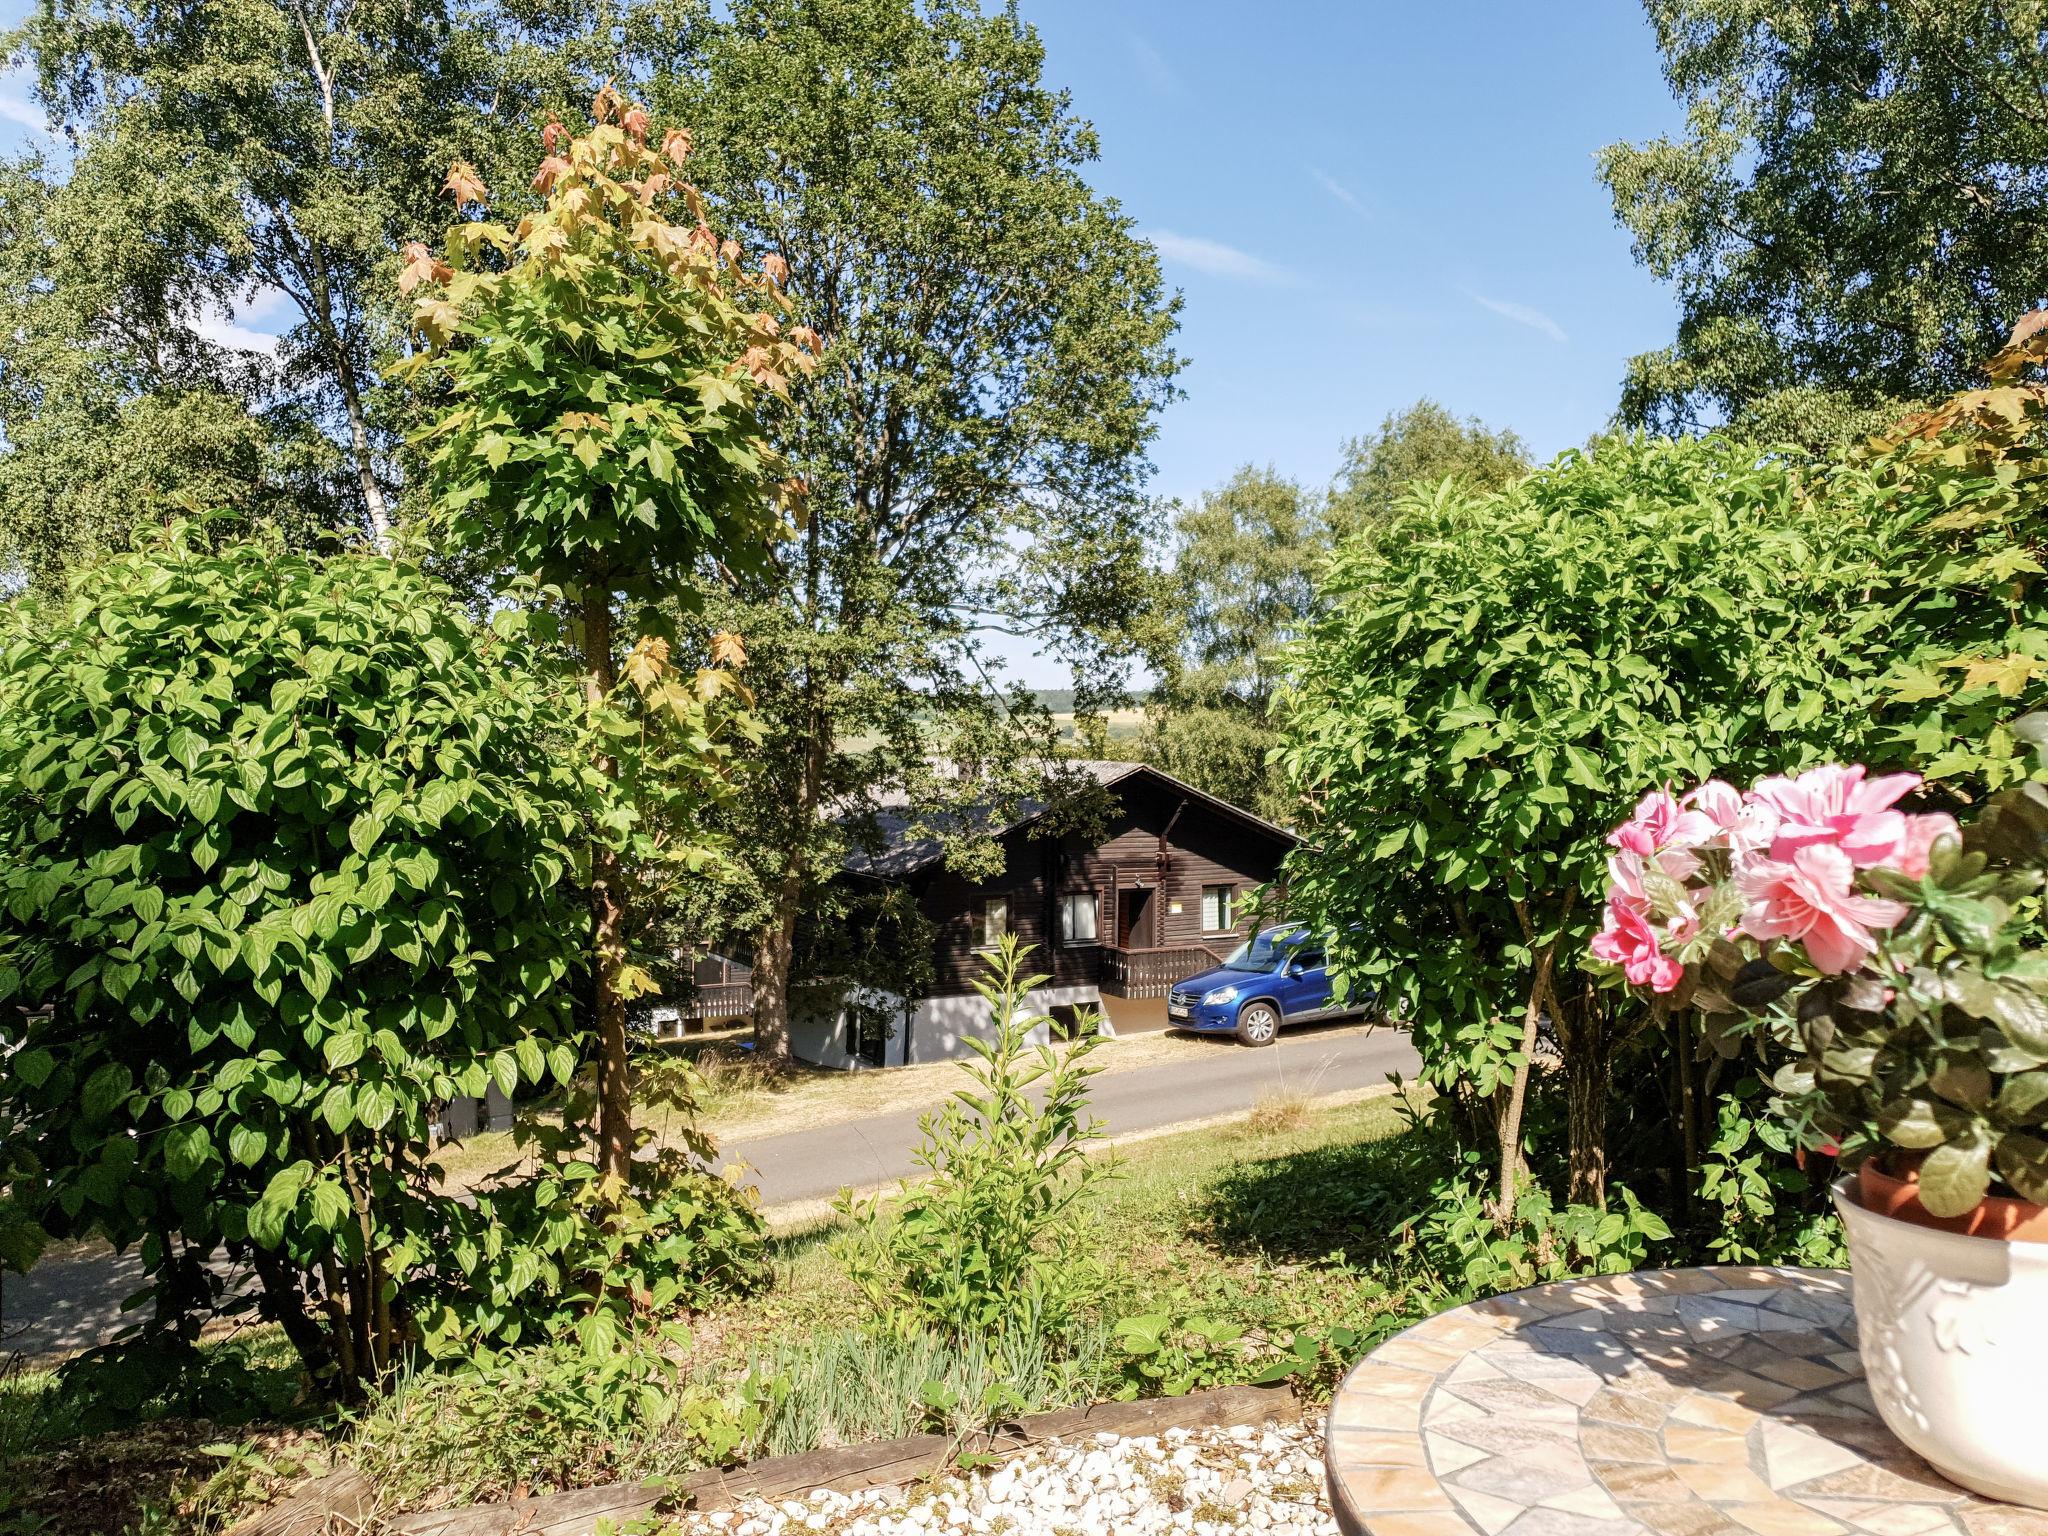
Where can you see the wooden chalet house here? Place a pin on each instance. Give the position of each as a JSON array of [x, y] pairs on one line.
[[1114, 920]]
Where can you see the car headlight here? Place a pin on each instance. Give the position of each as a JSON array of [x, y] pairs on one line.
[[1221, 995]]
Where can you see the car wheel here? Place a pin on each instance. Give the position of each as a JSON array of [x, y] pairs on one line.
[[1258, 1024]]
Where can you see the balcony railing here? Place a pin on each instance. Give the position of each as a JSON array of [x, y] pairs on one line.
[[1152, 972], [720, 1000]]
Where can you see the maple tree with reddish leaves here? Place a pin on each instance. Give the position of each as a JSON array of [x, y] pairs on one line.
[[602, 369]]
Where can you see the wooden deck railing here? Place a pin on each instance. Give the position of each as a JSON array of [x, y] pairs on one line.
[[1152, 972], [719, 1000]]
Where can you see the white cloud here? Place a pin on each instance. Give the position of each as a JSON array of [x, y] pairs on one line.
[[1216, 258], [1153, 66], [1339, 191], [17, 107], [238, 329], [1521, 314]]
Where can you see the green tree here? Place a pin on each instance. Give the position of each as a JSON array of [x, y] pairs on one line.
[[995, 350], [598, 373], [292, 859], [1494, 680], [252, 150], [104, 429], [1239, 590], [1242, 586], [1424, 443], [1854, 215]]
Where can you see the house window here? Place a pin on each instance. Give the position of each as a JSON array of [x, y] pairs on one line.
[[1219, 908], [1077, 917], [993, 922]]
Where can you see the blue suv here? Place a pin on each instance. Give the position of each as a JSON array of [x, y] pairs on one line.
[[1276, 977]]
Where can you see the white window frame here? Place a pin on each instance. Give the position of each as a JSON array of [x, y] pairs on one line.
[[1068, 908], [1226, 908], [988, 937]]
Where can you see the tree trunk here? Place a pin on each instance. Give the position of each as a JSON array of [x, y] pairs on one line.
[[1685, 1152], [1512, 1167], [608, 920], [1586, 1076], [366, 469], [776, 945], [285, 1301], [772, 952]]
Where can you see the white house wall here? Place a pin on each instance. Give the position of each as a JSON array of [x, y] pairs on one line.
[[821, 1033], [941, 1026]]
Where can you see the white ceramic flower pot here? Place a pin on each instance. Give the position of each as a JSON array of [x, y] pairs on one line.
[[1954, 1333]]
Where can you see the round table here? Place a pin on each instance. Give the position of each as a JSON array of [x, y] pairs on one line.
[[1685, 1402]]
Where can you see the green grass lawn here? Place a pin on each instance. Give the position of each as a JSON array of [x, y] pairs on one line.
[[1280, 1218], [1261, 1227]]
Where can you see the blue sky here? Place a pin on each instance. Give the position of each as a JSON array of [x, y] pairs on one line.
[[1371, 202], [1362, 203]]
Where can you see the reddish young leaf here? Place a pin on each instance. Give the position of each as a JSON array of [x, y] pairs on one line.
[[464, 184], [550, 169]]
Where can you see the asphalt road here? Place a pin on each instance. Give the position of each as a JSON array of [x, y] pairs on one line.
[[73, 1303], [1226, 1078]]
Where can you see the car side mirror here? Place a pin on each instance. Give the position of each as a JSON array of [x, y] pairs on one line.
[[1295, 968]]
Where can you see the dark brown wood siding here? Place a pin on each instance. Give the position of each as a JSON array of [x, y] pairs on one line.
[[1203, 846]]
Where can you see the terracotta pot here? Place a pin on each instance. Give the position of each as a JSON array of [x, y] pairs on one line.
[[1898, 1196], [1950, 1327]]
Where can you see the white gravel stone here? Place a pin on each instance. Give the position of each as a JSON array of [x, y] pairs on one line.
[[1244, 1480]]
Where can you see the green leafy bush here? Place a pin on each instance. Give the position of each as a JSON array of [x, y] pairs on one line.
[[1171, 1353], [292, 861], [1464, 1234], [1316, 1360], [590, 1406], [990, 1243], [537, 1254], [1494, 680], [1761, 1201]]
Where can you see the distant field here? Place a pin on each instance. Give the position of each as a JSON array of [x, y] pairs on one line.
[[1124, 724]]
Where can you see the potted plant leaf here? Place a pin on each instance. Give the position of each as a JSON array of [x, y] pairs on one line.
[[1893, 959]]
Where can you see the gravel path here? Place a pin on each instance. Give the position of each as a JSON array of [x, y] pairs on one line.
[[1203, 1482]]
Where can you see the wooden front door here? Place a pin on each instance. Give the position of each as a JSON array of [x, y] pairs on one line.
[[1133, 917]]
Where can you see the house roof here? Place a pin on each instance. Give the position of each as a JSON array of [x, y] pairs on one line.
[[902, 854]]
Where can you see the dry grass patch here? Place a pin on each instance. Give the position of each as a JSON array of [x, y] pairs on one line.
[[1278, 1112]]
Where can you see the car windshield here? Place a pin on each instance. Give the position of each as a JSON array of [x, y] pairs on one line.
[[1264, 951]]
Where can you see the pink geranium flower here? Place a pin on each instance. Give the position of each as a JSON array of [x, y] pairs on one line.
[[1717, 800], [1836, 806], [1660, 822], [1630, 942], [1625, 881], [1916, 851], [1811, 898]]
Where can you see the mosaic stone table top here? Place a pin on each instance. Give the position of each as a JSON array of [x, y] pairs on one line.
[[1689, 1402]]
